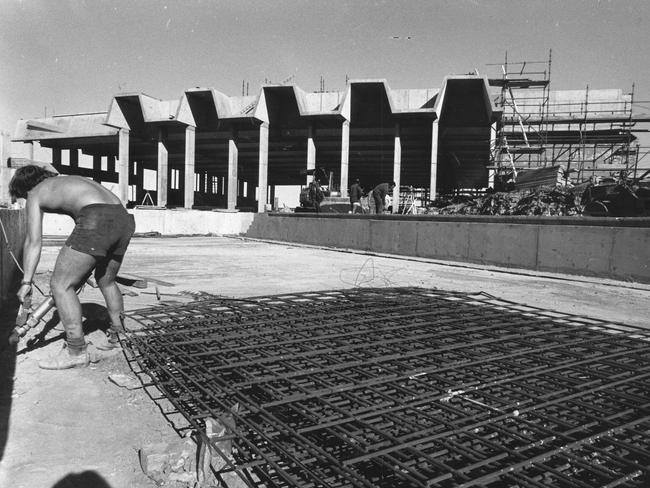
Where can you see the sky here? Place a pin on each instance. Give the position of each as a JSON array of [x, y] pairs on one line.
[[72, 56]]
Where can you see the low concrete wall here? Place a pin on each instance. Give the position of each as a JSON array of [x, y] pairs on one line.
[[609, 247], [13, 222], [167, 222]]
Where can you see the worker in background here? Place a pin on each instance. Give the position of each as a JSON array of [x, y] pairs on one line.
[[98, 242], [379, 195], [356, 192], [315, 194]]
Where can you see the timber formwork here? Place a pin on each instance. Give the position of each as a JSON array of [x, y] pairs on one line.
[[403, 387]]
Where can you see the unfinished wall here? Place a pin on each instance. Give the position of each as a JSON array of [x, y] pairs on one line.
[[13, 222], [613, 248], [166, 222]]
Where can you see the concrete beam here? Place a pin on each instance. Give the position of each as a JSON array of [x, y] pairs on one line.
[[263, 167], [123, 165], [188, 173]]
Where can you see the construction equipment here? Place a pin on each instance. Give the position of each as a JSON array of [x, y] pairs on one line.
[[624, 198], [29, 318]]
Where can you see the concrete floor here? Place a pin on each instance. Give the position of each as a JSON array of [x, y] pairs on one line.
[[57, 423]]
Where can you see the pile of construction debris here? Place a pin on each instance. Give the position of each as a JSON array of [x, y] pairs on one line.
[[546, 200]]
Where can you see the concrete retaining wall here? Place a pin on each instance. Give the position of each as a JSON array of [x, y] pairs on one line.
[[608, 247], [13, 222], [167, 222]]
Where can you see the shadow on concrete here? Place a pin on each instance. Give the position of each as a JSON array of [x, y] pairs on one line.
[[8, 312], [86, 479], [95, 318]]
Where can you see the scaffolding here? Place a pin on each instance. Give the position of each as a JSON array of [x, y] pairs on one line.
[[583, 133]]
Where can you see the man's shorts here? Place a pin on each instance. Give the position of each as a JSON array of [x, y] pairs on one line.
[[102, 230]]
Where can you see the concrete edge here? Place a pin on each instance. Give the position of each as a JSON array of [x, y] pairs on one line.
[[468, 265]]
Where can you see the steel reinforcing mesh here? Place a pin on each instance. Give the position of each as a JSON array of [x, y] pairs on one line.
[[403, 387]]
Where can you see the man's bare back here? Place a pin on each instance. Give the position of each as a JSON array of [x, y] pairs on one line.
[[102, 232], [69, 194]]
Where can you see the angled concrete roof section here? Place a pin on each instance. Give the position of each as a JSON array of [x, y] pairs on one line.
[[321, 103], [132, 110], [149, 110], [63, 127], [226, 107], [408, 101], [493, 112]]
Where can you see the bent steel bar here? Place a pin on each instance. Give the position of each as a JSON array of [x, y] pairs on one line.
[[404, 387]]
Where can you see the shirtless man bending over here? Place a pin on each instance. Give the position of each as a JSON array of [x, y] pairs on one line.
[[99, 240]]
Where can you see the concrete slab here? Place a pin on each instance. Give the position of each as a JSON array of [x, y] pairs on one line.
[[53, 424]]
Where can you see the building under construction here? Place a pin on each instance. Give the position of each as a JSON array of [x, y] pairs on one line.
[[209, 149], [585, 133], [363, 386]]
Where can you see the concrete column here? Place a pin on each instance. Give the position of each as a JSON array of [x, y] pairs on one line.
[[30, 150], [162, 178], [434, 160], [188, 173], [345, 156], [233, 160], [397, 167], [263, 167], [311, 152], [123, 165]]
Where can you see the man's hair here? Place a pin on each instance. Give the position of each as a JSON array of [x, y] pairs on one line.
[[27, 178]]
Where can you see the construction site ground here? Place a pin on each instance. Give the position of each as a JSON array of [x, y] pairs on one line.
[[77, 428]]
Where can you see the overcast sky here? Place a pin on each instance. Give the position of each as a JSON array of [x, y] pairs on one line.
[[71, 56]]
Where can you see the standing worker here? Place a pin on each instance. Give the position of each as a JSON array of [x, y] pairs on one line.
[[315, 194], [356, 192], [98, 242], [379, 195]]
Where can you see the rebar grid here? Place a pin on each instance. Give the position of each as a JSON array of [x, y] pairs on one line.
[[406, 387]]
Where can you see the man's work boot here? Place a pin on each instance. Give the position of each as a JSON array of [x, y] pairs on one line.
[[68, 357]]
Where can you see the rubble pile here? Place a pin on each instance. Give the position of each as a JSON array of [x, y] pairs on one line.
[[547, 200]]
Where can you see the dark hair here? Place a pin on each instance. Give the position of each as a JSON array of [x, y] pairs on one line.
[[27, 178]]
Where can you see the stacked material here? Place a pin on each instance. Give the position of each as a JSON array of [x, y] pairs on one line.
[[547, 200]]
